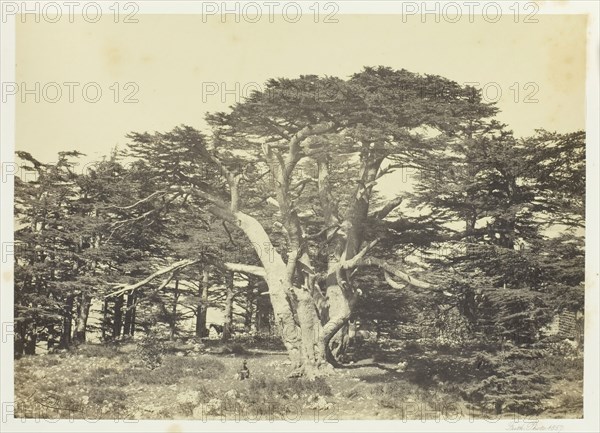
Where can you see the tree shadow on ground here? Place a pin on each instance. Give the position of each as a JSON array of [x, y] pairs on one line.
[[386, 375], [425, 367]]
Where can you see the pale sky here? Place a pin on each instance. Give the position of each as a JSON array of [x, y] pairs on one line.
[[172, 58]]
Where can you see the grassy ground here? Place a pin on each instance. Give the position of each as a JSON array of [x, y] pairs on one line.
[[108, 382]]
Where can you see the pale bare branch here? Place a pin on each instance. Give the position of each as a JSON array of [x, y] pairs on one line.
[[246, 269], [393, 284], [354, 261], [131, 206], [174, 267], [388, 208], [394, 271]]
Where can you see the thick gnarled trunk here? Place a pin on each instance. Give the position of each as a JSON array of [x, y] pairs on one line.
[[309, 309], [343, 244]]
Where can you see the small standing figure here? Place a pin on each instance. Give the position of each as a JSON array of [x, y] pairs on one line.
[[244, 372]]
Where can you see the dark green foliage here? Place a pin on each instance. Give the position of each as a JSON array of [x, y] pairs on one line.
[[510, 390]]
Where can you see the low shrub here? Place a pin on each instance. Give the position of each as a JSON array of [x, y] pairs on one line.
[[109, 377], [104, 396], [394, 395], [105, 350], [149, 351], [174, 368], [510, 391], [268, 396], [571, 402], [286, 388]]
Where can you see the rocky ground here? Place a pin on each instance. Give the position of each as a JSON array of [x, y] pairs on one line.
[[115, 382]]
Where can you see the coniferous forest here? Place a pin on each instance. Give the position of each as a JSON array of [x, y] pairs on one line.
[[372, 246]]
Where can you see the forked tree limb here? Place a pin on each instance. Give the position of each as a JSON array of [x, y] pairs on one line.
[[228, 233], [389, 270], [357, 260], [166, 282]]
